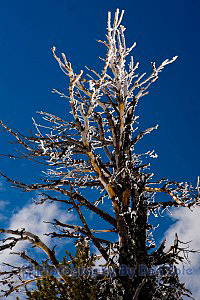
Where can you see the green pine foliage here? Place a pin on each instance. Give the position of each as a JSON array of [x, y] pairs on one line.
[[82, 287], [77, 286], [96, 150]]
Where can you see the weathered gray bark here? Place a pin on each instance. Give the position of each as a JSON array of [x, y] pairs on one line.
[[103, 111]]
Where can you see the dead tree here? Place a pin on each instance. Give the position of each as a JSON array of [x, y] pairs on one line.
[[96, 149]]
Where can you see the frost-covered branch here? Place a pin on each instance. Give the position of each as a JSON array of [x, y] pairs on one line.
[[94, 149]]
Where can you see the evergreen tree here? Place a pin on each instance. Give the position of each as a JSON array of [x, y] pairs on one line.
[[96, 150]]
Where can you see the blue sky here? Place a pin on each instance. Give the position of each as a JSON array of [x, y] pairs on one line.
[[161, 29], [28, 30]]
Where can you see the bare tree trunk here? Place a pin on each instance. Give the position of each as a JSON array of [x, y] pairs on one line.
[[95, 149]]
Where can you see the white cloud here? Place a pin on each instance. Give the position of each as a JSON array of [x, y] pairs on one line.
[[100, 262], [187, 227], [3, 204], [2, 217], [31, 218]]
